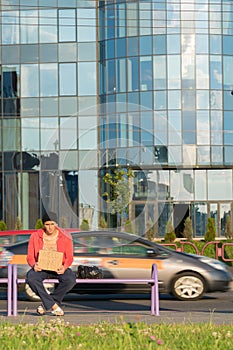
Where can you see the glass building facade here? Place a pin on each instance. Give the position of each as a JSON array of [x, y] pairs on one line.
[[90, 86]]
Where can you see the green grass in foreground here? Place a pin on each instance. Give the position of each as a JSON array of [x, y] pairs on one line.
[[58, 334]]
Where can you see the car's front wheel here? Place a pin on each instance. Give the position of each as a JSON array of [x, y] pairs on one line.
[[188, 286], [30, 295]]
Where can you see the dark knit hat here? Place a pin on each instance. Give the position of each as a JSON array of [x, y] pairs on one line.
[[49, 217]]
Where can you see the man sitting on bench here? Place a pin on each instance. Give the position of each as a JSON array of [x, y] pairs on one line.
[[52, 239]]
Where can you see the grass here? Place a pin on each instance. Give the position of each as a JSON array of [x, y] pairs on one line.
[[58, 334]]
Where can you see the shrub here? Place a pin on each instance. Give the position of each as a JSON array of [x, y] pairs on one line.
[[188, 229], [102, 222], [210, 231], [85, 225], [3, 226], [170, 235]]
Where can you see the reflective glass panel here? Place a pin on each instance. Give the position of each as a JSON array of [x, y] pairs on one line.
[[29, 26], [220, 184], [10, 27], [48, 26], [217, 155], [48, 79], [68, 133], [29, 73], [67, 79], [200, 218], [49, 134], [86, 25], [87, 133], [86, 78], [30, 134], [182, 185], [159, 66], [67, 25]]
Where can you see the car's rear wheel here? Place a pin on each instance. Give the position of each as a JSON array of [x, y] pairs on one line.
[[32, 296], [188, 286]]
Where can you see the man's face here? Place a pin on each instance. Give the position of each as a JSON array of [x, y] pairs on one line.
[[50, 227]]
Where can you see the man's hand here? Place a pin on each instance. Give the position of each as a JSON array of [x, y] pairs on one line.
[[37, 267], [61, 270]]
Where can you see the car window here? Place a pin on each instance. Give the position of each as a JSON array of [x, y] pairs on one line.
[[108, 245], [131, 249], [6, 240]]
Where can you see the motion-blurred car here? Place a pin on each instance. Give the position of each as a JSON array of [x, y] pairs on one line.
[[123, 255], [10, 237]]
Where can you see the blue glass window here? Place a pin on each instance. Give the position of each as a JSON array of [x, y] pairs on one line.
[[159, 44], [159, 65], [215, 44], [215, 72], [111, 76], [49, 79], [227, 72], [201, 43], [49, 136], [110, 21], [29, 73], [132, 71], [67, 25], [228, 45], [10, 27], [173, 79], [29, 26], [121, 47], [30, 134], [145, 45], [48, 26], [67, 79], [110, 44], [145, 73], [68, 133], [86, 25], [132, 46], [87, 78], [160, 100], [173, 44]]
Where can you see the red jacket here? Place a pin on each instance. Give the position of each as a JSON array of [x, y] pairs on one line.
[[64, 245]]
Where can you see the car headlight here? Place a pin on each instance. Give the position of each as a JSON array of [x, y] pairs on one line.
[[214, 263]]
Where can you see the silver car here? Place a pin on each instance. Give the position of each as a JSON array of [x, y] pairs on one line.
[[124, 255]]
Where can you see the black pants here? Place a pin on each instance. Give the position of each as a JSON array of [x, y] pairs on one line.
[[66, 282]]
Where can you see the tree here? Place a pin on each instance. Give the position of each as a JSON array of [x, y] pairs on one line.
[[18, 224], [228, 227], [170, 235], [188, 229], [210, 230], [118, 194], [39, 224], [150, 230]]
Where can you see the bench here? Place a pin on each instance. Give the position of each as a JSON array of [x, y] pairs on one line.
[[153, 282]]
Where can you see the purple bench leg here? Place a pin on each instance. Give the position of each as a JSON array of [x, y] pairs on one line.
[[155, 292], [9, 290], [15, 290]]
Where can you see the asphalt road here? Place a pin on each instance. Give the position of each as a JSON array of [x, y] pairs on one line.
[[216, 308]]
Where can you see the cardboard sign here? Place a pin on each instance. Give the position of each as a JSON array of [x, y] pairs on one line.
[[50, 260]]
